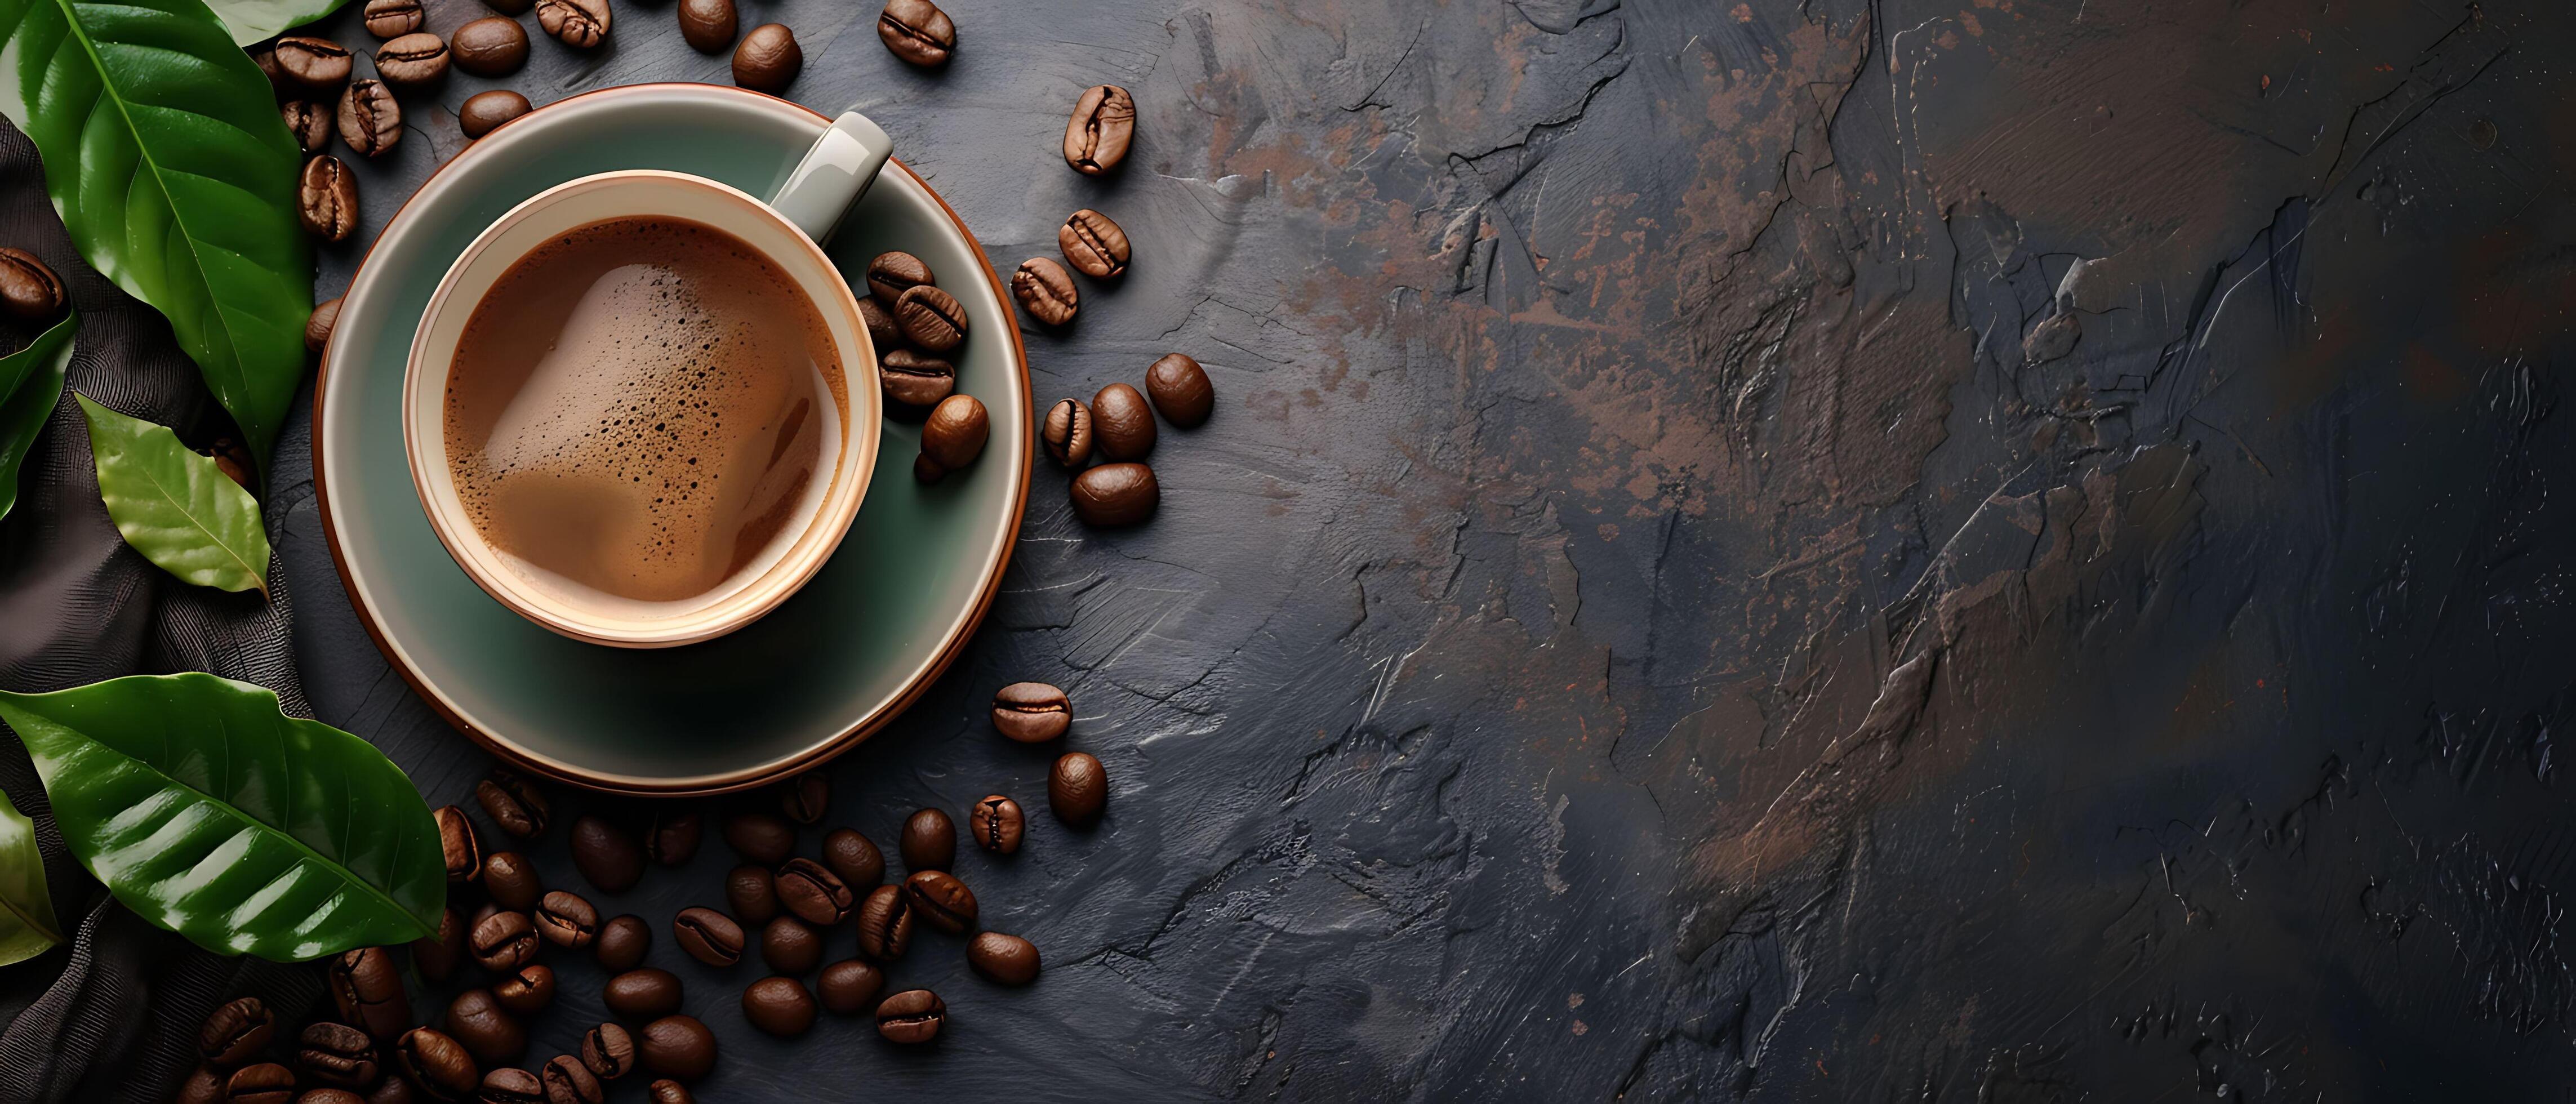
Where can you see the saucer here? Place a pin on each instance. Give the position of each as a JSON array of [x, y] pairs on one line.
[[832, 664]]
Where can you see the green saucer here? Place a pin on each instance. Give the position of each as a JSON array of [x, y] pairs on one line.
[[831, 665]]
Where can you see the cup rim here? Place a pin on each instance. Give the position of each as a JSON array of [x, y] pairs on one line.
[[812, 546]]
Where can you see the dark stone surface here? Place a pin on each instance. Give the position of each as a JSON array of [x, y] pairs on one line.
[[1999, 550]]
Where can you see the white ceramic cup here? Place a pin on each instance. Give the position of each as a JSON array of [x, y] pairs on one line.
[[787, 229]]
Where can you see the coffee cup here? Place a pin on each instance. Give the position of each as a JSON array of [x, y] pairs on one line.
[[801, 521]]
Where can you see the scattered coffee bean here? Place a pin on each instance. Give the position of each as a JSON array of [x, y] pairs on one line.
[[814, 894], [326, 199], [493, 46], [1067, 433], [678, 1047], [893, 273], [670, 1092], [885, 924], [438, 1064], [929, 841], [850, 986], [309, 122], [1103, 123], [913, 378], [567, 920], [954, 434], [367, 988], [707, 25], [606, 854], [369, 119], [1122, 423], [393, 18], [484, 112], [927, 471], [709, 936], [622, 943], [752, 894], [580, 24], [1007, 959], [265, 1083], [412, 62], [337, 1095], [673, 839], [567, 1081], [487, 1031], [940, 900], [337, 1054], [1116, 494], [931, 318], [883, 334], [768, 59], [806, 797], [316, 67], [234, 461], [510, 1085], [790, 947], [512, 881], [438, 956], [457, 842], [527, 990], [1181, 390], [1078, 789], [264, 55], [760, 837], [504, 941], [1031, 712], [29, 290], [642, 994], [607, 1051], [917, 31], [911, 1016], [513, 802], [779, 1006], [235, 1032], [854, 858], [998, 824], [1046, 291], [1093, 245], [203, 1085]]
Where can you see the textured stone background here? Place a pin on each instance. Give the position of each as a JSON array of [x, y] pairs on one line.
[[1995, 550]]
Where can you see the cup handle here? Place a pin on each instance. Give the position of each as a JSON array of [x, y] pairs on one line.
[[833, 175]]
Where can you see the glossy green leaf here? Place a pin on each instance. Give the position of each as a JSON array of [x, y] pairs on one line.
[[210, 813], [31, 382], [174, 506], [27, 924], [167, 160], [253, 20]]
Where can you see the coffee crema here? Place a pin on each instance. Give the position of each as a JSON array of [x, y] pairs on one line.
[[637, 411]]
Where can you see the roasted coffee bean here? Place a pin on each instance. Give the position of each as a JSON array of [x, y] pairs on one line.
[[1067, 433], [484, 112], [673, 839], [203, 1085], [917, 31], [29, 290], [929, 841], [790, 947], [309, 122], [1031, 712], [622, 943], [911, 1016], [265, 1083], [1093, 245], [1121, 423], [326, 199], [367, 988], [504, 941], [915, 379], [1181, 390], [940, 900], [457, 842], [752, 894], [337, 1054], [1078, 789], [1045, 290], [1007, 959], [709, 936], [1103, 123], [760, 837], [885, 923], [492, 46], [608, 1051], [779, 1006], [567, 1081], [854, 858], [814, 894], [707, 25], [580, 24], [514, 802], [806, 797], [438, 1064], [931, 318], [883, 334], [264, 55], [235, 1031], [317, 67], [768, 59], [606, 854], [393, 1090], [370, 121], [893, 273], [642, 994], [234, 461], [393, 18], [850, 986], [528, 989], [438, 956], [677, 1046], [927, 471], [487, 1031], [512, 881], [330, 1096], [1116, 494], [510, 1085], [482, 912], [412, 62], [954, 434], [998, 824], [667, 1091]]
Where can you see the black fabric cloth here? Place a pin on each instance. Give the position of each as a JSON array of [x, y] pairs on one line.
[[113, 1015]]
